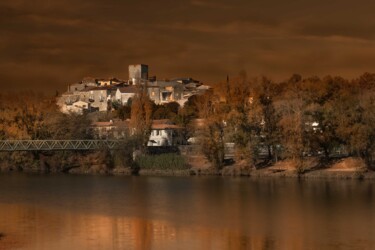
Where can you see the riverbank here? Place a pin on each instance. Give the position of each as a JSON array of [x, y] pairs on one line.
[[102, 163], [313, 168], [346, 168]]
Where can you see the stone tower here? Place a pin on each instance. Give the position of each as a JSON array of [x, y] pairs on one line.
[[138, 73]]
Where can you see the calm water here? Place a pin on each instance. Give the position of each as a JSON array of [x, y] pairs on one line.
[[86, 212]]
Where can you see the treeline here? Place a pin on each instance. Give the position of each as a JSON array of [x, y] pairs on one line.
[[29, 115], [293, 119], [34, 116], [266, 120]]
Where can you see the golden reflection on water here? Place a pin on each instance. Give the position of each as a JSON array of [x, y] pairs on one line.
[[263, 216], [34, 228], [30, 227]]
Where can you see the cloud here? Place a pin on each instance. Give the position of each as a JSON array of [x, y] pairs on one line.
[[47, 44]]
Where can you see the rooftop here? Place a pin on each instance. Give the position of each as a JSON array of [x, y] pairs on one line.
[[128, 89]]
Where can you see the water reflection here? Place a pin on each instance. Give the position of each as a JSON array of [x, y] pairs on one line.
[[36, 228], [64, 212]]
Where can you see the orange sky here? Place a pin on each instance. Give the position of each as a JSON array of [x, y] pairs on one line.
[[46, 44]]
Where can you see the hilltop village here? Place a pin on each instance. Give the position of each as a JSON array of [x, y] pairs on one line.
[[92, 94], [95, 96]]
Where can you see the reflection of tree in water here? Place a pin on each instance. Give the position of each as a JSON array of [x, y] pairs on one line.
[[143, 230]]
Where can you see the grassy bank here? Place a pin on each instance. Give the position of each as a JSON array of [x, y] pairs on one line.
[[162, 162]]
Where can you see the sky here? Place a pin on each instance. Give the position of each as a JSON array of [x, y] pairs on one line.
[[47, 44]]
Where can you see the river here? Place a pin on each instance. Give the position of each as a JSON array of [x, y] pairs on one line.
[[106, 212]]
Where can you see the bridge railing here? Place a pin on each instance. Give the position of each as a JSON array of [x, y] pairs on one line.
[[48, 145]]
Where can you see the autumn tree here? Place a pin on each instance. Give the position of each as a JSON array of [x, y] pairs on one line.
[[23, 115], [212, 135], [61, 126], [141, 117], [292, 123], [240, 118], [186, 115], [355, 117], [266, 93], [322, 109]]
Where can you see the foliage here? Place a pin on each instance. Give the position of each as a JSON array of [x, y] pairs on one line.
[[301, 117], [166, 111], [141, 118], [122, 112]]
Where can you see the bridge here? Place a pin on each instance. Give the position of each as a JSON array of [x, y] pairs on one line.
[[54, 145], [84, 145]]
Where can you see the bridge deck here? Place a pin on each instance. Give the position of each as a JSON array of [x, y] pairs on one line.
[[48, 145]]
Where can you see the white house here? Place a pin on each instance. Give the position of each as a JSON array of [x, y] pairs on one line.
[[164, 133]]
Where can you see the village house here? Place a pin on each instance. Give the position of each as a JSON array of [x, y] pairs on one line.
[[165, 91], [71, 104], [103, 130], [113, 129], [66, 100], [78, 107], [124, 95], [98, 97], [92, 82], [110, 82], [165, 133]]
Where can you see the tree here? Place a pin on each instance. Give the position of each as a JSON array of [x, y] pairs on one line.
[[141, 117], [212, 135], [61, 126], [355, 117], [264, 95], [241, 125], [292, 123], [123, 112]]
